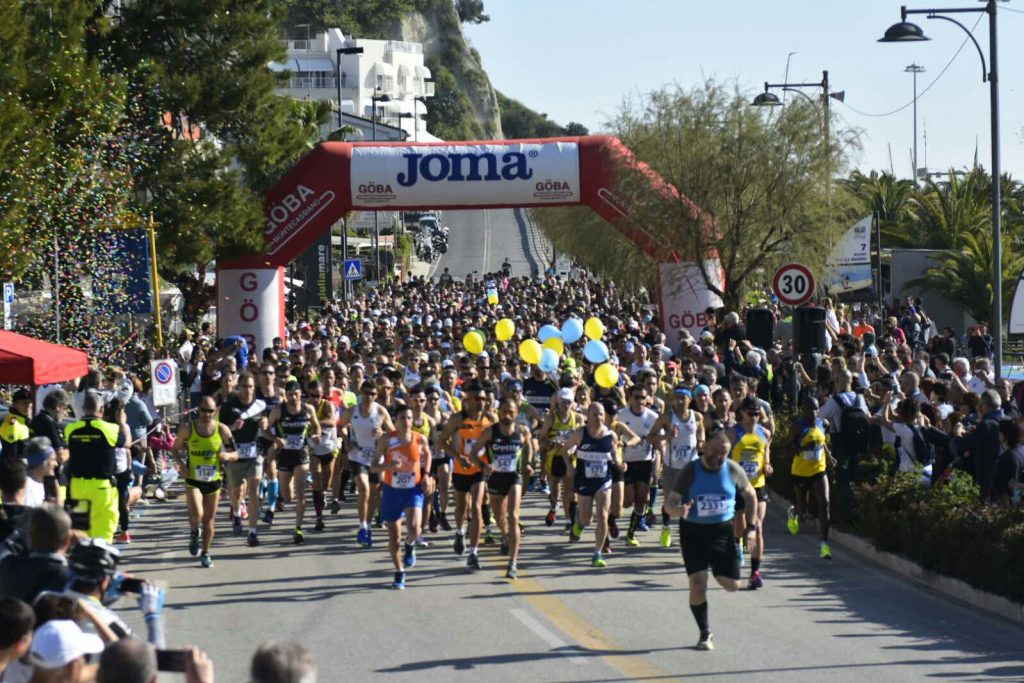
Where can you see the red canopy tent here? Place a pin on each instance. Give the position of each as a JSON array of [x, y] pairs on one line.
[[24, 360]]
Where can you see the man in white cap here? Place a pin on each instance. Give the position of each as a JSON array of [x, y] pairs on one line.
[[58, 652]]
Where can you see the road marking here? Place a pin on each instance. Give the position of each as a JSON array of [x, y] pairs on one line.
[[546, 635]]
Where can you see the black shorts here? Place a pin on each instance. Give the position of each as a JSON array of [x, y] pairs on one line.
[[616, 473], [709, 546], [807, 482], [463, 483], [357, 468], [324, 458], [640, 472], [500, 483], [557, 467], [436, 464], [205, 487], [287, 461], [762, 497]]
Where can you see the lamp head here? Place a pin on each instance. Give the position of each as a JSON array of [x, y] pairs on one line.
[[903, 32], [766, 99]]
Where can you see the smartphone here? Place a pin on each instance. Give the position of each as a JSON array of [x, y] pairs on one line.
[[170, 660], [130, 585]]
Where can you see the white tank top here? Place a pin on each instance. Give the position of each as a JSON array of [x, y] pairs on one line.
[[683, 448], [363, 439], [641, 425]]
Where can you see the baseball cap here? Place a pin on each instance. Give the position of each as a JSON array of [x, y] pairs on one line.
[[565, 394], [629, 347], [515, 385], [59, 642], [448, 363], [701, 389], [22, 395]]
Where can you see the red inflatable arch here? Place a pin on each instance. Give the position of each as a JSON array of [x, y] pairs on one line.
[[338, 177]]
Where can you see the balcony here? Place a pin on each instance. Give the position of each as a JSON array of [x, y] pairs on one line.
[[402, 46]]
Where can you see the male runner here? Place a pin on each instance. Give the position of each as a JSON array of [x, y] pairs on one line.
[[271, 394], [440, 465], [324, 449], [683, 428], [245, 416], [751, 449], [367, 421], [641, 420], [559, 424]]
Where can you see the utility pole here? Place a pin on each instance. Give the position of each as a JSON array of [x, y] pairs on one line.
[[915, 69]]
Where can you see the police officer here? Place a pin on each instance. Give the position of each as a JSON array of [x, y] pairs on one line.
[[14, 431], [92, 464]]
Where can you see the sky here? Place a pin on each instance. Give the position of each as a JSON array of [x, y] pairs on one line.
[[578, 60]]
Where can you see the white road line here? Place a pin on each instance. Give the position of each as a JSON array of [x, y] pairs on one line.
[[546, 635]]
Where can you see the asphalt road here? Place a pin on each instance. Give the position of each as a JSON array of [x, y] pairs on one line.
[[844, 620], [480, 240]]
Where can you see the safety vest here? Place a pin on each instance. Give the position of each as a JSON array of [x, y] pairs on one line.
[[92, 445]]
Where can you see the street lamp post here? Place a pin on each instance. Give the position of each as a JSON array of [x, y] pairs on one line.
[[375, 98], [915, 69], [904, 32]]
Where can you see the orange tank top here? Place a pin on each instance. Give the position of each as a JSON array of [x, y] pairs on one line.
[[407, 473], [469, 433]]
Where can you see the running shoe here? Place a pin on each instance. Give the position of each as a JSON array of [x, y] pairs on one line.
[[369, 538], [606, 549], [613, 527], [504, 547], [236, 525], [512, 572], [473, 562], [335, 506], [755, 580], [319, 525], [243, 510], [193, 543], [826, 552], [488, 536], [409, 557], [421, 542], [598, 560], [298, 538], [549, 519], [642, 525], [793, 523], [399, 583], [631, 541], [460, 544], [545, 489], [123, 537], [361, 536], [706, 642], [445, 526], [268, 517], [575, 532], [532, 486], [665, 540], [205, 560], [253, 540]]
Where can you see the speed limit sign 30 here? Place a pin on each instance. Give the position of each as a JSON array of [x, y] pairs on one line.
[[793, 284]]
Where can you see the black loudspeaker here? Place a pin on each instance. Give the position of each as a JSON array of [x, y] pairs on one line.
[[760, 327], [809, 329]]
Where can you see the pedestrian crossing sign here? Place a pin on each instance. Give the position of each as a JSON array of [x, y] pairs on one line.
[[353, 269]]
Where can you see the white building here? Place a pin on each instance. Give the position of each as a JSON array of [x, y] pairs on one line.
[[391, 71]]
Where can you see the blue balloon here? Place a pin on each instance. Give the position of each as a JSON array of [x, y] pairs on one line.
[[572, 330], [596, 351], [547, 332], [548, 360]]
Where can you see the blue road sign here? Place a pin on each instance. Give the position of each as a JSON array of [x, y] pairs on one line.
[[353, 269], [8, 292]]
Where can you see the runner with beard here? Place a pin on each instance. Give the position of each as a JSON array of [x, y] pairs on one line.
[[245, 415]]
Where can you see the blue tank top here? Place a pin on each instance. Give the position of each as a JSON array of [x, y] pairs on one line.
[[713, 495], [594, 456]]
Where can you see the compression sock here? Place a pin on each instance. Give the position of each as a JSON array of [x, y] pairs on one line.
[[572, 510], [318, 502], [486, 514], [665, 518], [634, 520], [755, 564], [700, 615], [273, 488]]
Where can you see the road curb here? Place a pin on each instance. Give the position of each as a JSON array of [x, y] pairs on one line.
[[940, 583]]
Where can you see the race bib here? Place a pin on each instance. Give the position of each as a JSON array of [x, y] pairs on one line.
[[206, 472], [361, 455], [467, 446], [505, 463], [711, 504], [751, 467], [246, 451], [679, 456], [294, 442], [403, 480], [595, 469], [565, 434], [812, 454]]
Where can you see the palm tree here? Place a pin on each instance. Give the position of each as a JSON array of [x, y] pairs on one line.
[[310, 116], [940, 213], [881, 194]]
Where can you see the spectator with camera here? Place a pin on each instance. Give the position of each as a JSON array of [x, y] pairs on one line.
[[981, 446]]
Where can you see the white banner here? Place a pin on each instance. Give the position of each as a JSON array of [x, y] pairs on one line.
[[848, 266], [250, 304], [685, 297], [523, 174]]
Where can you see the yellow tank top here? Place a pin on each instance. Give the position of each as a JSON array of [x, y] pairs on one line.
[[422, 428], [562, 429], [204, 454], [748, 450], [809, 459]]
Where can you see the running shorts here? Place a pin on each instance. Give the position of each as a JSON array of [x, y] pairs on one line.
[[640, 472], [463, 483], [500, 483], [394, 502], [709, 546]]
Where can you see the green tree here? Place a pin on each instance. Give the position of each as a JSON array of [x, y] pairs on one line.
[[519, 121], [448, 115], [471, 11], [575, 128], [880, 194]]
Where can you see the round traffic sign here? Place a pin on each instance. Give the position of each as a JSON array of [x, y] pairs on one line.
[[793, 284], [163, 372]]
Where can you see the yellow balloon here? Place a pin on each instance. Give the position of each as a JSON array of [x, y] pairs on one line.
[[556, 344], [607, 375], [529, 351], [594, 328], [504, 329], [473, 341]]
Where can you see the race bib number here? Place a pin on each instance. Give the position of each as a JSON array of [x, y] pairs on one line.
[[467, 446], [812, 454], [751, 467], [711, 505], [362, 455], [403, 480], [595, 469], [206, 472], [565, 434], [679, 456], [294, 442], [246, 451], [505, 463]]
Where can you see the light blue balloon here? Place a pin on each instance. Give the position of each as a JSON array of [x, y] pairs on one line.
[[572, 330], [596, 351], [547, 332], [548, 360]]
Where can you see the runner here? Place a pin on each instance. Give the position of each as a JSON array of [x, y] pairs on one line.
[[271, 394], [506, 451], [245, 415], [807, 439], [594, 448], [424, 424], [206, 443], [291, 424], [751, 449], [440, 465], [558, 426], [704, 497], [367, 421], [641, 420], [323, 450], [401, 458], [458, 438], [683, 428]]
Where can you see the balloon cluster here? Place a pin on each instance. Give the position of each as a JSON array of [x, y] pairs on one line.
[[548, 349]]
